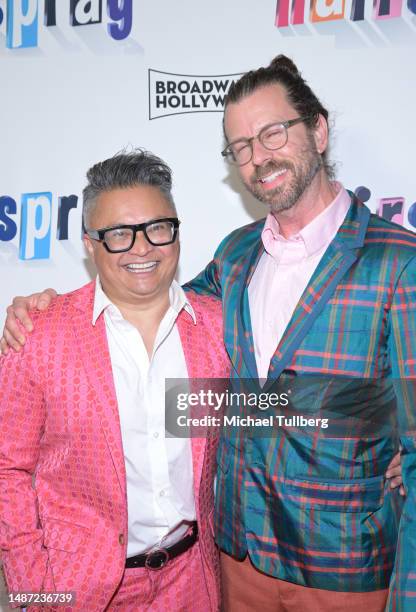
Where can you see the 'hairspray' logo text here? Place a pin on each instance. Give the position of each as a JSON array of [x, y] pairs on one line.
[[176, 94], [23, 18], [36, 213], [292, 12]]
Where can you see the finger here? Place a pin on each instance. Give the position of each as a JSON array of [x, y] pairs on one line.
[[396, 482], [42, 304], [392, 472], [4, 349], [12, 341], [12, 327], [46, 297], [394, 468], [19, 311], [42, 300], [402, 491], [395, 462]]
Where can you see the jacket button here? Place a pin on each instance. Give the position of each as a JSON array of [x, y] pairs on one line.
[[121, 539]]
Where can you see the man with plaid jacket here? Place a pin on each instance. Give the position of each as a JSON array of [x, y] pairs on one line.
[[322, 287]]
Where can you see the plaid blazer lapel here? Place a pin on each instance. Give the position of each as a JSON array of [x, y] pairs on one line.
[[244, 328], [336, 261]]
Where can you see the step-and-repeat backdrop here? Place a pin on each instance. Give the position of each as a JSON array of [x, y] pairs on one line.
[[81, 80]]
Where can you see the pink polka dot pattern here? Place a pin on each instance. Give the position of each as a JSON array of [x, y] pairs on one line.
[[179, 586], [59, 423]]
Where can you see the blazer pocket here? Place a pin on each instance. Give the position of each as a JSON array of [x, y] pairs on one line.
[[359, 495], [361, 320], [60, 535]]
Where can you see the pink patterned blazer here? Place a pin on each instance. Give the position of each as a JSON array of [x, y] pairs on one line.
[[59, 423]]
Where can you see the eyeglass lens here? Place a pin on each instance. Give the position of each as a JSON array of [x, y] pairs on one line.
[[123, 237], [273, 137]]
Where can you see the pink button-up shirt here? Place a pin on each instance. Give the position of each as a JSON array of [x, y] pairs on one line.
[[283, 273]]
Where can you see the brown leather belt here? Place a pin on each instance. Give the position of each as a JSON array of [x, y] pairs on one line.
[[158, 557]]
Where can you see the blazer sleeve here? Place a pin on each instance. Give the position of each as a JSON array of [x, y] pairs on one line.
[[402, 350], [22, 418]]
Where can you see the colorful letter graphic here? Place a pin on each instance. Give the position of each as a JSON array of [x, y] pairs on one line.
[[22, 24], [8, 228], [297, 12], [65, 204], [50, 13], [386, 9], [292, 11], [391, 209], [327, 10], [411, 214], [85, 12], [35, 228], [121, 12], [357, 10]]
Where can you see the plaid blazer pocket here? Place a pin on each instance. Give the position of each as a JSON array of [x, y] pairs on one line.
[[333, 495], [333, 318]]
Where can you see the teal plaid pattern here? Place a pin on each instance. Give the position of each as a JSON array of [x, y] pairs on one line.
[[313, 509]]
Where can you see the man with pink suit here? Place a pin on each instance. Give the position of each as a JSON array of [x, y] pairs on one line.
[[94, 499]]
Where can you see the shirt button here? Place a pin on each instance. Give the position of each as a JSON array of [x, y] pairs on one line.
[[156, 434], [162, 493], [121, 539]]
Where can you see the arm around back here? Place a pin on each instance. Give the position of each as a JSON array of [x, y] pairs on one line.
[[18, 322]]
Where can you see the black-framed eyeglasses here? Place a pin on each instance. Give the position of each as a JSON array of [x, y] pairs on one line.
[[272, 136], [120, 238]]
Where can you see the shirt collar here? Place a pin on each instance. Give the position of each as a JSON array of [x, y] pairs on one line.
[[177, 298], [315, 236]]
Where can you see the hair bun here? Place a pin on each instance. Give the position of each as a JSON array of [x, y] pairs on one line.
[[282, 62]]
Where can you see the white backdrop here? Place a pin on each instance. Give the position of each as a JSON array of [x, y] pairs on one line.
[[80, 95]]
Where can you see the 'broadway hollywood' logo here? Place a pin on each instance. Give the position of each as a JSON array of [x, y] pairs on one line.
[[176, 94]]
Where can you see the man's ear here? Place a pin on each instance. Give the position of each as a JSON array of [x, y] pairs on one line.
[[88, 245], [320, 134]]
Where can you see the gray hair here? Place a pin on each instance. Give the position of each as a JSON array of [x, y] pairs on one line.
[[126, 169]]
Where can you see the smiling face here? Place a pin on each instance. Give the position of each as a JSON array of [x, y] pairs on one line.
[[144, 274], [281, 177]]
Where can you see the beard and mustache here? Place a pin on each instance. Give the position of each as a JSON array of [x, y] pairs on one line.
[[299, 176]]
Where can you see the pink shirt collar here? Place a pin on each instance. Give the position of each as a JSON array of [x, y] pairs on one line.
[[315, 236]]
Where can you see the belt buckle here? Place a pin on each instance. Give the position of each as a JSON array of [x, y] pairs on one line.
[[156, 559]]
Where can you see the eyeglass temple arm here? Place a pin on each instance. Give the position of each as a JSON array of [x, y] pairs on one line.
[[95, 234]]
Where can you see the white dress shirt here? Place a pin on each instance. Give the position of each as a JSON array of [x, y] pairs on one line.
[[283, 273], [160, 494]]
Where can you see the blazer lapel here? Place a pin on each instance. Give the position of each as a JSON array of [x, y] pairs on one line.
[[337, 260], [244, 335], [93, 350], [193, 348]]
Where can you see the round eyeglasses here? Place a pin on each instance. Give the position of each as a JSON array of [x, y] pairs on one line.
[[120, 238], [272, 136]]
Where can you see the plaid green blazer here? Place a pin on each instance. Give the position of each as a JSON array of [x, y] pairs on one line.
[[312, 506]]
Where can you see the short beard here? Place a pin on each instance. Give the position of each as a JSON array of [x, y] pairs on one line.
[[285, 197]]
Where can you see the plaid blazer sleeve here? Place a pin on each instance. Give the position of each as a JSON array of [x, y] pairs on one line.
[[208, 282], [402, 349]]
